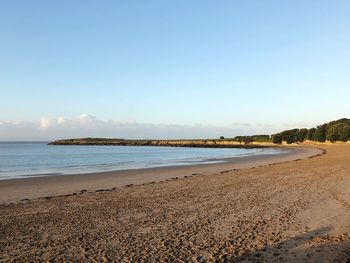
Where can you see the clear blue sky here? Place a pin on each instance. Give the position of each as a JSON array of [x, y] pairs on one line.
[[175, 62]]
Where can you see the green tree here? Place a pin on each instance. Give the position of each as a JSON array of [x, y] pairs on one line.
[[301, 135], [311, 134], [339, 131], [247, 139], [277, 138], [345, 135], [261, 138], [320, 133]]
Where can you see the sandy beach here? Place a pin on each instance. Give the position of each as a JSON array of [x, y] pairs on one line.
[[294, 207], [15, 190]]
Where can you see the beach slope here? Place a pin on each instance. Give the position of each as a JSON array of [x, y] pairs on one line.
[[295, 211]]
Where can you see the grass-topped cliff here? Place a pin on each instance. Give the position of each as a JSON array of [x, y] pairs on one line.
[[222, 143], [333, 131]]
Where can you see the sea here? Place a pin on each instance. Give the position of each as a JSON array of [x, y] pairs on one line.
[[33, 159]]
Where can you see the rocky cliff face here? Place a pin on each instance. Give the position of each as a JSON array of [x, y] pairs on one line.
[[169, 143]]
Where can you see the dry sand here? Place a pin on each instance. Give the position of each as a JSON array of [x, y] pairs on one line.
[[295, 211]]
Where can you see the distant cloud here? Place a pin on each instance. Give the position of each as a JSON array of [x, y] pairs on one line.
[[45, 123], [83, 119], [241, 124], [61, 121], [86, 125]]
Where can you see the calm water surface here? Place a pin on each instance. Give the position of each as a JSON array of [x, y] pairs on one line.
[[18, 160]]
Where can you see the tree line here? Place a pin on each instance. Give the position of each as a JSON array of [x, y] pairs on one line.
[[249, 139], [333, 131]]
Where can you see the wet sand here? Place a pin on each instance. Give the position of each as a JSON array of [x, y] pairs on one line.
[[294, 211], [15, 190]]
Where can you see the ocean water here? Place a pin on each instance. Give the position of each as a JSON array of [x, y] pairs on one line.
[[19, 160]]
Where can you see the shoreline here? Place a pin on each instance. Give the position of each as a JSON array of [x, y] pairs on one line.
[[24, 189], [170, 163], [294, 211]]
